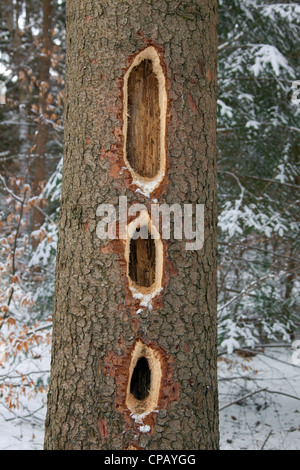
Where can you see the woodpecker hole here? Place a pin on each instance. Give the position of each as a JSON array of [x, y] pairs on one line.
[[142, 261], [144, 256], [144, 119], [143, 131], [144, 379], [140, 380]]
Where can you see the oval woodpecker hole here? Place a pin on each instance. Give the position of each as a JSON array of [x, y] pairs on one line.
[[141, 379], [143, 130], [144, 120], [144, 255], [142, 260], [144, 379]]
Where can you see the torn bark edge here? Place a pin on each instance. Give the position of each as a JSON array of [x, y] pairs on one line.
[[140, 291], [118, 367], [118, 167], [147, 184], [133, 446], [102, 426], [169, 270]]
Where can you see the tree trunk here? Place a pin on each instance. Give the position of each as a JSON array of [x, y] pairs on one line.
[[127, 373]]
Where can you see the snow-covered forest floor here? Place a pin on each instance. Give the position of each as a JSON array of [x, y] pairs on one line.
[[265, 420]]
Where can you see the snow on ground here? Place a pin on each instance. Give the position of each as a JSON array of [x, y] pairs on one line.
[[265, 416], [264, 420], [23, 428], [23, 434]]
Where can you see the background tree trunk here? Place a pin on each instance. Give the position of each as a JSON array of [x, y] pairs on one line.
[[97, 322], [42, 137]]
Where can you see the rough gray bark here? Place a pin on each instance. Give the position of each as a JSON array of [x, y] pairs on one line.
[[96, 323]]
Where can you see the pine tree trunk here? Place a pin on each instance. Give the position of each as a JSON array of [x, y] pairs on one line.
[[109, 352]]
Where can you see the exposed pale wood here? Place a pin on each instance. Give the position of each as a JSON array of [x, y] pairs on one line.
[[142, 262], [143, 132], [145, 399]]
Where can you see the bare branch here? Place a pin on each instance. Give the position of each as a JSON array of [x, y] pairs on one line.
[[266, 440], [9, 191], [258, 178], [243, 398], [252, 285], [226, 44], [255, 393]]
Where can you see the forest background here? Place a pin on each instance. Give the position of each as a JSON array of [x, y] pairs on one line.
[[258, 199]]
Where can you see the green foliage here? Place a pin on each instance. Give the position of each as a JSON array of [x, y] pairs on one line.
[[258, 141]]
